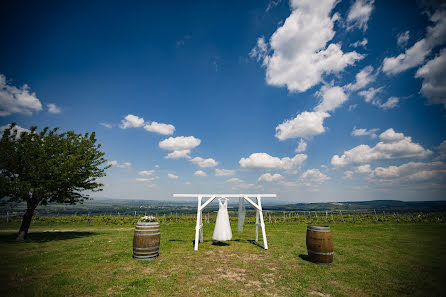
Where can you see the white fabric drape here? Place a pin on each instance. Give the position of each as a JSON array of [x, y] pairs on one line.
[[222, 231], [241, 214]]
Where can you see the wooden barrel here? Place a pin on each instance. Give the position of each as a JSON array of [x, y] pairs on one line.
[[319, 244], [146, 240]]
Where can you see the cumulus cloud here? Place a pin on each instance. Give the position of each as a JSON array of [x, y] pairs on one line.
[[313, 177], [172, 176], [265, 161], [442, 150], [131, 121], [411, 172], [179, 143], [348, 174], [268, 177], [403, 38], [53, 108], [392, 102], [164, 129], [363, 78], [125, 165], [146, 172], [200, 173], [359, 14], [204, 163], [17, 100], [300, 53], [392, 146], [150, 179], [332, 98], [416, 54], [365, 132], [302, 147], [224, 172], [305, 125], [178, 154], [433, 74], [358, 43], [235, 180]]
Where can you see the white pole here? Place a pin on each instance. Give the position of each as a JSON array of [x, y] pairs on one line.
[[257, 225], [197, 227], [262, 223], [201, 226]]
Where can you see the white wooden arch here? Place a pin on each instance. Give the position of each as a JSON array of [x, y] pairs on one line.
[[258, 207]]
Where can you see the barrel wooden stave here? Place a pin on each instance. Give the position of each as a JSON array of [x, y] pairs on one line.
[[319, 244], [146, 240]]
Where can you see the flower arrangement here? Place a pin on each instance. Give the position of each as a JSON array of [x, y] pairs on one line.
[[148, 219]]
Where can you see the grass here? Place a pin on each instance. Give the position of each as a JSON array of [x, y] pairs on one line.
[[96, 260]]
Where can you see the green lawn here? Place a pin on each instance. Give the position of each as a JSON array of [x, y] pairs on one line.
[[81, 260]]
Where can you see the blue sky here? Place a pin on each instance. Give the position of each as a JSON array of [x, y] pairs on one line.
[[312, 100]]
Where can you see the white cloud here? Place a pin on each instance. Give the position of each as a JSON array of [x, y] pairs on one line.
[[265, 161], [359, 14], [352, 107], [150, 179], [53, 108], [332, 98], [434, 79], [442, 150], [358, 43], [302, 147], [131, 121], [411, 172], [348, 174], [106, 125], [369, 95], [179, 143], [392, 146], [300, 54], [235, 180], [224, 172], [403, 38], [260, 51], [17, 100], [204, 163], [16, 128], [172, 176], [164, 129], [272, 4], [305, 125], [392, 102], [178, 154], [416, 54], [363, 78], [125, 165], [200, 173], [268, 177], [313, 177], [146, 172], [364, 169], [364, 132]]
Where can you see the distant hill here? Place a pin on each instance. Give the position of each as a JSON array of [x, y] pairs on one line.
[[389, 205]]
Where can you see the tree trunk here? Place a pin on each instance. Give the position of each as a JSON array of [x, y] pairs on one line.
[[26, 222]]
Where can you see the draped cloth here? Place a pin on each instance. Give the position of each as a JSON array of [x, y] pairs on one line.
[[241, 214]]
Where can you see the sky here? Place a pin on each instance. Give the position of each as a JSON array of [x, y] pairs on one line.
[[315, 101]]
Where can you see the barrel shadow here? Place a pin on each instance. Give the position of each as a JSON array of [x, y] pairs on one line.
[[45, 236], [305, 257]]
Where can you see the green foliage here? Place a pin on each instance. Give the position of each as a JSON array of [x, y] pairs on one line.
[[43, 167]]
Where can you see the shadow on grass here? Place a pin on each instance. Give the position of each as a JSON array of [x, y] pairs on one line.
[[45, 236], [256, 243], [305, 257], [220, 243]]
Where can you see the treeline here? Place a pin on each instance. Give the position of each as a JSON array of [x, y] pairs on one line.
[[269, 218]]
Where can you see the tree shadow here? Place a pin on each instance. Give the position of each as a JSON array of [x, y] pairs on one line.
[[45, 236]]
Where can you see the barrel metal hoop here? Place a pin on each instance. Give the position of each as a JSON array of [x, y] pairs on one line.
[[145, 253], [318, 230], [147, 249], [320, 253], [152, 234]]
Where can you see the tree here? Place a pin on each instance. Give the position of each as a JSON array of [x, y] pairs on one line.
[[40, 168]]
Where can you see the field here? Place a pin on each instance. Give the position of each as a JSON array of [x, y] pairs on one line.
[[79, 259]]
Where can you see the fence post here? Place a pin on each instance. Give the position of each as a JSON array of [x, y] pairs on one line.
[[326, 215], [376, 215], [340, 212]]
